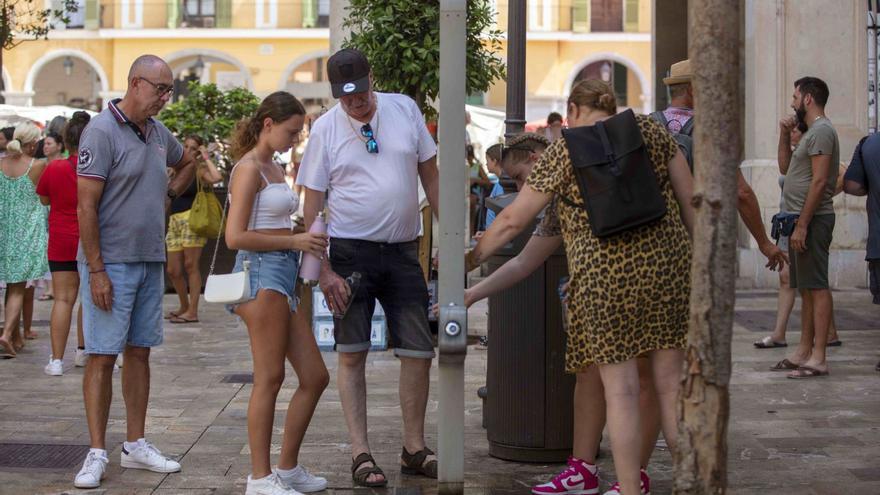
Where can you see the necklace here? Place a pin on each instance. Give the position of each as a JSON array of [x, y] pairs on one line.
[[357, 133]]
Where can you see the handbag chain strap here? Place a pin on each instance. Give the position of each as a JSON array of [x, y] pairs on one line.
[[223, 219]]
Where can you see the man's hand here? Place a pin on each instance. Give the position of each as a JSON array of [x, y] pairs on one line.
[[335, 290], [776, 259], [798, 238], [787, 124], [102, 290]]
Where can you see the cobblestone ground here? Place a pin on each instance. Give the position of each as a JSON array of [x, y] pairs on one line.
[[786, 437]]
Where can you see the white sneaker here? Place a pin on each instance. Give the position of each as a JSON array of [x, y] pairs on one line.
[[301, 480], [92, 472], [147, 456], [80, 358], [54, 368], [270, 485]]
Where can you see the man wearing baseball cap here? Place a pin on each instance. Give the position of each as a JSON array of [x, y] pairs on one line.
[[367, 155]]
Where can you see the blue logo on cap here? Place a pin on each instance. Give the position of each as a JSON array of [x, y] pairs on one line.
[[348, 88]]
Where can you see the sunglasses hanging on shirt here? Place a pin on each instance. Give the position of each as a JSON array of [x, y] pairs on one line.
[[372, 145]]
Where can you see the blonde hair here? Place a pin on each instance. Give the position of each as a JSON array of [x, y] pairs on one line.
[[24, 134], [595, 94]]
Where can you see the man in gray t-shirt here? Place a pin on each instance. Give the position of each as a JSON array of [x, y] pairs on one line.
[[122, 188], [810, 177]]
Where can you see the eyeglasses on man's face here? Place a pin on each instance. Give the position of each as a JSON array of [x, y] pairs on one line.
[[372, 145], [161, 89]]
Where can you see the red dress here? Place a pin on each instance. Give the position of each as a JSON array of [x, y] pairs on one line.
[[58, 183]]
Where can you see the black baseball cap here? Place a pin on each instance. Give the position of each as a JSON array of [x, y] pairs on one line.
[[349, 72]]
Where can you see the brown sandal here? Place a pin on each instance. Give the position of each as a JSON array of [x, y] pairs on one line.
[[415, 463], [360, 474]]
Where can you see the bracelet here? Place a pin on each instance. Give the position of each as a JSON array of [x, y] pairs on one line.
[[97, 271]]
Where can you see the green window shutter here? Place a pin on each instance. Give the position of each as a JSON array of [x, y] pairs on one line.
[[93, 14], [173, 9], [580, 16], [310, 13], [223, 14], [631, 20], [478, 99]]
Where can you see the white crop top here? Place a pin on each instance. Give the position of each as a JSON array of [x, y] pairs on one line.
[[273, 206]]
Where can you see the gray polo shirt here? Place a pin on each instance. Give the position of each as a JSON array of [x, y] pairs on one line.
[[131, 214]]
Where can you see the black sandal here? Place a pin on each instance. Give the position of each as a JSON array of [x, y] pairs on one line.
[[360, 474], [415, 463]]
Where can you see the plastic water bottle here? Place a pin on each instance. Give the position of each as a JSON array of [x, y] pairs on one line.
[[310, 269], [353, 281]]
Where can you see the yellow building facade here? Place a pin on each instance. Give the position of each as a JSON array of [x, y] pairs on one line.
[[268, 45]]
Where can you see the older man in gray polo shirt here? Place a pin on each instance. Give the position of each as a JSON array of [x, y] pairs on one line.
[[122, 189]]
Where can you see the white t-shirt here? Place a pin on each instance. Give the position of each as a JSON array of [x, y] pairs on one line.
[[373, 196]]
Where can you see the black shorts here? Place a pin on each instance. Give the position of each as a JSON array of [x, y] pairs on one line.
[[390, 273], [62, 266]]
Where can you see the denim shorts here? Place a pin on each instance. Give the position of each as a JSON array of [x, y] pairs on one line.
[[390, 272], [273, 270], [135, 318]]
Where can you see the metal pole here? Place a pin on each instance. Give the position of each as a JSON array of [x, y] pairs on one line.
[[516, 67], [453, 315], [338, 33]]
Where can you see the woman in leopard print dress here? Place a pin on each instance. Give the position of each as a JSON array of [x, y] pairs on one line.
[[629, 293]]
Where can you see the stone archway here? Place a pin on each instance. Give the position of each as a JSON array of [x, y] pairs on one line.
[[305, 79], [645, 95], [86, 90], [176, 61]]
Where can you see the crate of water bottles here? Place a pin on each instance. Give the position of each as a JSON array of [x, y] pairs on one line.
[[322, 324]]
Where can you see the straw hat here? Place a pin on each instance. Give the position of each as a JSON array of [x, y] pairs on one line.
[[679, 73]]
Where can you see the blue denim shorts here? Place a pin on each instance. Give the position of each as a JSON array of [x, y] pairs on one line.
[[135, 318], [273, 270]]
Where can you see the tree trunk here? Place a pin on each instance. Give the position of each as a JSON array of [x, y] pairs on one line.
[[704, 406]]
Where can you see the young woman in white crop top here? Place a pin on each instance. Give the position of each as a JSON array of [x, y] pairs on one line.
[[259, 226]]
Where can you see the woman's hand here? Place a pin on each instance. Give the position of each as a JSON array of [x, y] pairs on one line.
[[203, 154], [313, 243]]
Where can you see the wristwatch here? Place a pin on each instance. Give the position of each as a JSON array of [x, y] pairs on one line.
[[172, 194]]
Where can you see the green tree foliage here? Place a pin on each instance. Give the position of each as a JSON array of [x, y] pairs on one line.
[[210, 113], [25, 20], [401, 39]]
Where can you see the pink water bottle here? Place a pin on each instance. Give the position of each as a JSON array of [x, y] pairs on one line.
[[310, 269]]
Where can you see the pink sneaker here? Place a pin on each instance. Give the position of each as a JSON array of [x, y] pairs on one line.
[[646, 484], [579, 479]]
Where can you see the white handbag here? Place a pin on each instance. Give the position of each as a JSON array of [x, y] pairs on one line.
[[232, 288]]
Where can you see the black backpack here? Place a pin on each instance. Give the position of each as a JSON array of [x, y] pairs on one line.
[[684, 138], [615, 176]]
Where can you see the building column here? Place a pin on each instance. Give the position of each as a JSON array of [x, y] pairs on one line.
[[670, 44], [19, 98], [780, 46]]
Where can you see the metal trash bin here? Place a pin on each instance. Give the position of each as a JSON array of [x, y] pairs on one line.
[[528, 406]]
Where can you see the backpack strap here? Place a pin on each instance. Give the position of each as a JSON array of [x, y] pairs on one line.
[[569, 202], [660, 117], [688, 128]]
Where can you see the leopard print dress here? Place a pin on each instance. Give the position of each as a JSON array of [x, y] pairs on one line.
[[628, 293]]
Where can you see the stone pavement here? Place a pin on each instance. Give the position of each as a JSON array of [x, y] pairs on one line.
[[818, 436]]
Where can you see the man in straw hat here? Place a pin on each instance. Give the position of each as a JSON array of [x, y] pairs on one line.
[[678, 118]]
